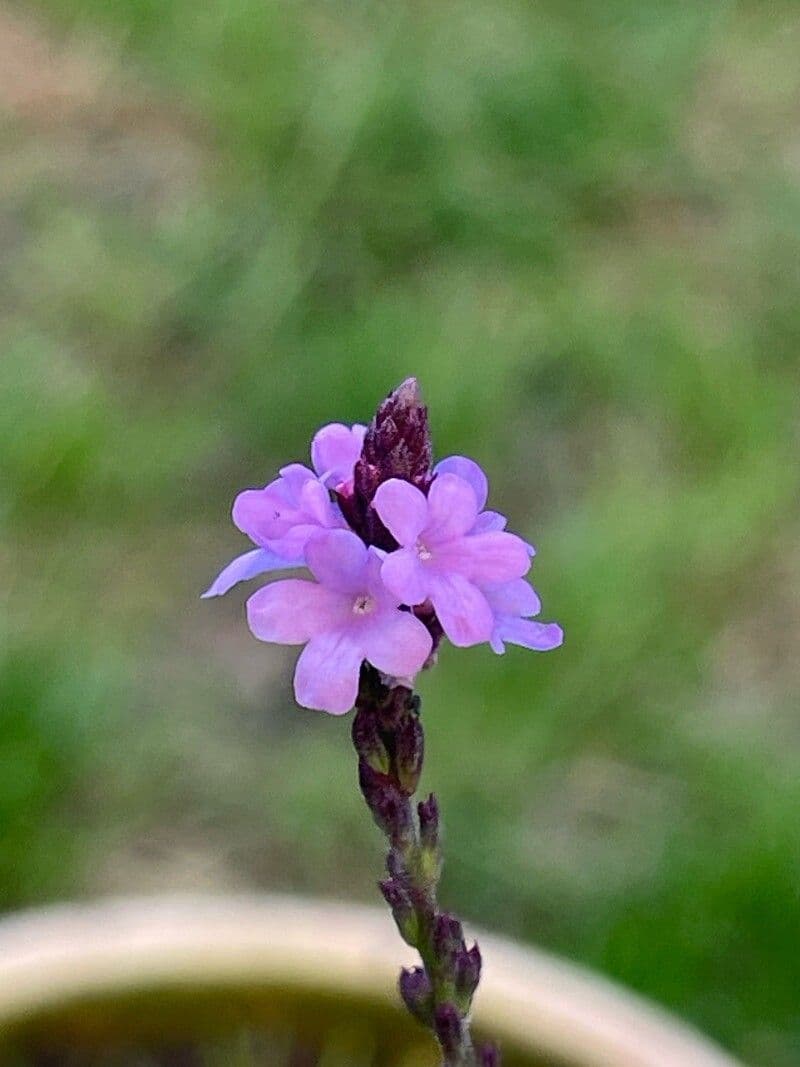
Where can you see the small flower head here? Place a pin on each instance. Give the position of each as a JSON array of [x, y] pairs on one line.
[[400, 553], [281, 517], [440, 559]]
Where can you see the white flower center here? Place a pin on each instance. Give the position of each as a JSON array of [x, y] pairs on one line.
[[363, 605], [423, 551]]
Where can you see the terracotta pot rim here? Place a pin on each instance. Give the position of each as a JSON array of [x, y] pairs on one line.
[[529, 998]]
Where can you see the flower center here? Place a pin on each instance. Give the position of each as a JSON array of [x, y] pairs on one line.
[[363, 605], [423, 551]]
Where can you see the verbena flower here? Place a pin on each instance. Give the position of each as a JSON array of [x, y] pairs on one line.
[[400, 554], [401, 551], [334, 453], [441, 559], [281, 517], [345, 617]]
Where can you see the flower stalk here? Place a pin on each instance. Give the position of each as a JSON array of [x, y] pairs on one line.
[[389, 741], [402, 554]]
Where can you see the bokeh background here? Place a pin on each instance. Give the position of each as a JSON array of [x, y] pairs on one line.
[[224, 224]]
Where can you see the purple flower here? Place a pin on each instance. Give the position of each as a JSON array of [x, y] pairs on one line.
[[513, 604], [343, 618], [282, 516], [334, 452], [441, 559]]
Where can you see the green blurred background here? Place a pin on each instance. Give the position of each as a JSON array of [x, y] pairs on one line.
[[224, 224]]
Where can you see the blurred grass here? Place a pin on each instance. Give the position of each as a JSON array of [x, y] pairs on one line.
[[580, 226]]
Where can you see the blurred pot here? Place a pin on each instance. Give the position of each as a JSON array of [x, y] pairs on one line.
[[147, 966]]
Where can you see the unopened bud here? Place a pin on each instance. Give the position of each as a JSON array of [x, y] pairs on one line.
[[409, 752], [467, 974], [390, 809], [428, 811], [368, 741], [447, 1025], [447, 941], [402, 910], [397, 444], [417, 994]]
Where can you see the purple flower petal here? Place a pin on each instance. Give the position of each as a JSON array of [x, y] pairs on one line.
[[335, 450], [496, 644], [397, 643], [316, 503], [513, 598], [402, 509], [538, 636], [496, 557], [405, 577], [326, 676], [295, 610], [375, 584], [488, 521], [452, 508], [295, 475], [469, 470], [337, 559], [245, 567], [462, 609]]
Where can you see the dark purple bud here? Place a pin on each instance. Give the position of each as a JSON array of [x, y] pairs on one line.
[[448, 1028], [398, 441], [397, 445], [402, 910], [417, 994], [467, 973], [489, 1056], [447, 941], [409, 752], [368, 742], [428, 811], [390, 809]]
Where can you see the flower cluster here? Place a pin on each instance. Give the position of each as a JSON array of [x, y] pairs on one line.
[[399, 551]]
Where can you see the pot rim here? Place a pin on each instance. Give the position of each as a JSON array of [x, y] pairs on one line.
[[529, 998]]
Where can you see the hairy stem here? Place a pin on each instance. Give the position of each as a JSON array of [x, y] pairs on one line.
[[389, 740]]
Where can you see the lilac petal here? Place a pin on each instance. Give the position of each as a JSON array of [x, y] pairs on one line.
[[513, 598], [257, 512], [489, 520], [334, 451], [496, 643], [326, 676], [316, 503], [469, 470], [245, 567], [402, 509], [452, 508], [462, 609], [397, 643], [495, 557], [405, 577], [295, 610], [338, 559], [293, 544], [375, 584], [538, 636], [295, 475]]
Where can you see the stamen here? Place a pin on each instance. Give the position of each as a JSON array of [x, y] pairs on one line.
[[363, 605]]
